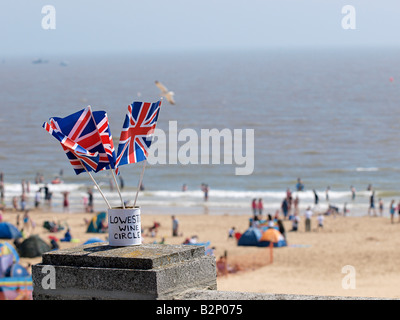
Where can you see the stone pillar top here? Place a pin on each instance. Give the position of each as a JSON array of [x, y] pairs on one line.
[[144, 256]]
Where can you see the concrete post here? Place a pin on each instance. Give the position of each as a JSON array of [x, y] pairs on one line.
[[99, 271]]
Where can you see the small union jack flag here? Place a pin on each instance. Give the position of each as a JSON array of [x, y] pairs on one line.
[[82, 129], [137, 132], [77, 154]]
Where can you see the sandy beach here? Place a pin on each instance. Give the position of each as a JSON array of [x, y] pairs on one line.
[[313, 263]]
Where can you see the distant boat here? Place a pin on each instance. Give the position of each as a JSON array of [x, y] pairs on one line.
[[63, 63], [37, 61]]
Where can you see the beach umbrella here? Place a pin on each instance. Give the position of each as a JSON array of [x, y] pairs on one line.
[[9, 231]]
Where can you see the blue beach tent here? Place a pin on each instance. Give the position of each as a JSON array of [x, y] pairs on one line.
[[95, 223], [250, 237], [9, 231]]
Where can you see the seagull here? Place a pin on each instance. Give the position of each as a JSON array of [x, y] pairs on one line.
[[169, 95]]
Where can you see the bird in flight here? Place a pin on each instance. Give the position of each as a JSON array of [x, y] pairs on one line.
[[169, 95]]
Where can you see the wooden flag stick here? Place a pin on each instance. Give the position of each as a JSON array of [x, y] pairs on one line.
[[97, 186], [140, 182], [119, 191]]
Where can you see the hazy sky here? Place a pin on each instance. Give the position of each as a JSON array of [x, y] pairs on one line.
[[155, 25]]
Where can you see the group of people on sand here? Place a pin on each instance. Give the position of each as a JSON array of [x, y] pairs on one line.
[[393, 208]]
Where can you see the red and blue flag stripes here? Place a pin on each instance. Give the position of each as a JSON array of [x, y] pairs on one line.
[[76, 154]]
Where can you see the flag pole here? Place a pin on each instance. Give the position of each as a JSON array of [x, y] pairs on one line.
[[140, 182], [119, 191], [97, 186]]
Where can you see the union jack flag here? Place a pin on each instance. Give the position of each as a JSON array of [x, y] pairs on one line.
[[81, 128], [76, 153], [137, 132]]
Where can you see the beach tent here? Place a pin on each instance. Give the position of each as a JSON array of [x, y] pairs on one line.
[[250, 237], [95, 223], [15, 280], [9, 231], [17, 270], [274, 236], [8, 256], [32, 247]]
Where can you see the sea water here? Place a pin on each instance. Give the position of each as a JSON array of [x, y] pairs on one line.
[[327, 116]]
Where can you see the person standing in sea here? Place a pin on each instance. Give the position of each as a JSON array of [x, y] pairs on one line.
[[296, 205], [372, 204], [254, 207], [327, 193], [299, 185], [380, 206], [90, 200], [392, 211], [353, 193], [316, 199], [260, 207]]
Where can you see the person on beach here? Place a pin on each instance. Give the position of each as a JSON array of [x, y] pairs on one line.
[[66, 201], [37, 199], [316, 199], [353, 193], [345, 210], [295, 222], [28, 224], [205, 189], [320, 221], [299, 185], [328, 188], [308, 214], [380, 206], [392, 211], [47, 194], [296, 205], [254, 207], [288, 193], [281, 228], [231, 233], [372, 204], [15, 203], [175, 226], [260, 206], [23, 202], [90, 201], [285, 207]]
